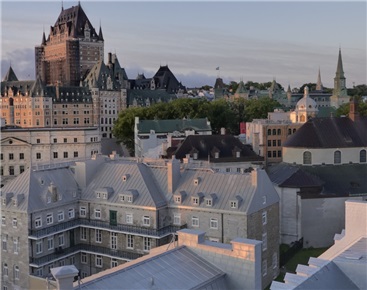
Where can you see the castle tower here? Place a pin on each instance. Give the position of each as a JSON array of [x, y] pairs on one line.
[[340, 95]]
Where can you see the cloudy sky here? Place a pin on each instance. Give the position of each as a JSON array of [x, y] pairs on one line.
[[256, 41]]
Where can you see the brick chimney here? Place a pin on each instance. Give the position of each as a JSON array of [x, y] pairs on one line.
[[353, 109]]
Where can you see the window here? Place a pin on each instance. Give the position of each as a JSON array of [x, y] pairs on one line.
[[21, 156], [16, 245], [269, 154], [5, 269], [11, 170], [146, 220], [38, 155], [233, 204], [279, 132], [71, 213], [307, 157], [114, 263], [275, 260], [129, 218], [72, 260], [76, 154], [177, 219], [264, 218], [113, 241], [39, 247], [15, 222], [269, 132], [274, 143], [39, 272], [362, 156], [337, 157], [265, 241], [98, 261], [50, 243], [98, 236], [61, 240], [265, 268], [75, 140], [209, 202], [130, 241], [11, 156], [274, 131], [97, 213], [279, 142], [214, 223], [65, 140], [279, 153], [195, 221], [56, 155], [55, 140], [3, 220], [66, 155], [49, 219], [83, 211], [274, 154], [38, 222], [289, 131], [147, 244], [1, 156], [21, 168], [83, 234], [16, 273], [195, 200], [60, 216], [269, 143], [5, 243], [83, 258], [177, 199]]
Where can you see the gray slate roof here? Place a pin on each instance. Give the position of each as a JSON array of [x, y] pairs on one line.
[[169, 126], [179, 268]]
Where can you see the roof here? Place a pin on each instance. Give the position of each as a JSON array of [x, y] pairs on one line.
[[140, 97], [330, 133], [165, 79], [178, 268], [169, 126], [226, 145], [10, 75]]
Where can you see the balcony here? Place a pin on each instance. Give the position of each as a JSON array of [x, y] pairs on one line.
[[64, 253], [126, 229]]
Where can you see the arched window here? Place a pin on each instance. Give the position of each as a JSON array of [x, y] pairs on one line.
[[269, 132], [337, 157], [294, 130], [274, 131], [289, 131], [307, 157], [362, 156], [302, 119]]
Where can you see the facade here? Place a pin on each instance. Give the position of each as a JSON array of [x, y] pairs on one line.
[[150, 134], [103, 212], [344, 265], [23, 148], [71, 49]]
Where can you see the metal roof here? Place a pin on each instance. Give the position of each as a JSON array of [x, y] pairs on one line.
[[169, 126]]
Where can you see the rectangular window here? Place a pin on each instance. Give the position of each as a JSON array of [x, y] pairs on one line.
[[76, 154], [274, 154], [195, 200], [75, 140], [214, 223], [233, 204], [83, 211], [177, 219], [264, 218], [130, 241], [65, 140], [279, 153], [55, 140], [21, 156], [50, 243], [11, 170], [3, 220], [209, 202], [274, 143], [5, 244], [1, 156], [66, 155], [129, 218], [56, 155], [269, 143], [21, 168], [97, 213], [61, 240], [147, 244], [98, 261], [71, 213], [83, 258], [269, 153], [11, 156], [49, 218], [15, 222], [279, 142], [265, 241], [98, 236], [39, 247], [83, 233], [16, 273], [60, 216], [16, 245], [146, 221], [5, 269], [195, 221], [38, 155], [113, 241], [38, 222], [114, 263]]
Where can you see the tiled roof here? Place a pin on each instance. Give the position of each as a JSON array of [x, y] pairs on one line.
[[169, 126], [227, 146], [330, 133]]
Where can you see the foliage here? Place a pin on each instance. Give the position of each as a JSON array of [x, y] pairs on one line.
[[359, 90], [343, 110], [220, 113]]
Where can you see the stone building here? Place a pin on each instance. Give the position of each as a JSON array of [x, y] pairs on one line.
[[71, 49], [103, 212]]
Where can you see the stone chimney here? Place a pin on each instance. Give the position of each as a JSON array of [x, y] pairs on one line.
[[173, 174], [254, 176], [64, 276]]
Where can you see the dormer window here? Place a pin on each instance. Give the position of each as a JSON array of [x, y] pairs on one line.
[[208, 202], [195, 201], [178, 199], [128, 196], [238, 154], [234, 204], [98, 194]]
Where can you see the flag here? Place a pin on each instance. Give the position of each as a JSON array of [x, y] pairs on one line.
[[217, 68]]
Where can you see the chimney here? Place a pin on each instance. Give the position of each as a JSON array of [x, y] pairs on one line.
[[64, 276], [254, 177], [173, 174], [353, 109], [109, 58]]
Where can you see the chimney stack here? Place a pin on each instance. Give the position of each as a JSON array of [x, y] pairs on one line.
[[173, 174]]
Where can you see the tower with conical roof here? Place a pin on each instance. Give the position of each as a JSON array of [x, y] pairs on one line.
[[71, 49], [319, 86], [340, 95]]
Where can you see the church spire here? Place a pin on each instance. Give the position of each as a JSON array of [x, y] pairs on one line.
[[319, 86], [43, 38], [339, 68], [100, 35]]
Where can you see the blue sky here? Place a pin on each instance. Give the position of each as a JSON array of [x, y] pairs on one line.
[[256, 41]]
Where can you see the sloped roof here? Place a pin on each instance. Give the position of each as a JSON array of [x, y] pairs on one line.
[[169, 126], [142, 96], [226, 144], [10, 75], [178, 268], [330, 133]]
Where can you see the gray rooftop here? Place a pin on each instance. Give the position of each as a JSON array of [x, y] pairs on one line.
[[169, 126]]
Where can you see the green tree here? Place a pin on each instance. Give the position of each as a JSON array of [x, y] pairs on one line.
[[343, 110]]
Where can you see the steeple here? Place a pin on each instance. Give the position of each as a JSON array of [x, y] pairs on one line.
[[43, 38], [319, 86], [100, 35], [340, 89], [339, 68], [10, 75]]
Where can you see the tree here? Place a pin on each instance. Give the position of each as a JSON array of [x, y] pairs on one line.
[[343, 110], [359, 90]]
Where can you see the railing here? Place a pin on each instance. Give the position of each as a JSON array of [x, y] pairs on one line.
[[63, 253], [129, 229]]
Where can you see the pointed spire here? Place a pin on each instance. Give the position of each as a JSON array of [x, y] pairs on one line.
[[339, 68], [289, 88], [43, 38], [10, 75], [100, 35], [319, 86], [62, 5]]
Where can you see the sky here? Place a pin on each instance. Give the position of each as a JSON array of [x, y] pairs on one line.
[[288, 41]]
